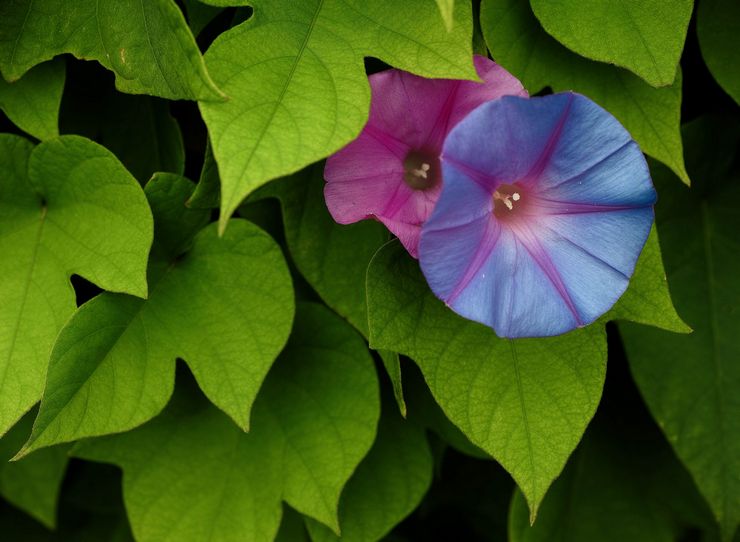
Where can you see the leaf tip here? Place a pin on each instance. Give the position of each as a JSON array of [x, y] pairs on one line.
[[23, 452]]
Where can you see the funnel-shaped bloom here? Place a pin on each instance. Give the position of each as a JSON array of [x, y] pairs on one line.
[[391, 172], [546, 206]]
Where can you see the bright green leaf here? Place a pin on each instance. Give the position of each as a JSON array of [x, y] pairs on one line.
[[147, 44], [647, 300], [223, 304], [718, 26], [332, 257], [32, 102], [691, 382], [33, 483], [447, 11], [644, 36], [192, 475], [67, 207], [387, 486], [525, 402], [297, 86], [651, 115]]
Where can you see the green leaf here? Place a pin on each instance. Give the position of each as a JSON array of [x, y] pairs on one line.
[[644, 36], [718, 27], [206, 194], [148, 45], [142, 133], [623, 483], [332, 257], [690, 382], [292, 527], [32, 102], [387, 486], [651, 115], [33, 483], [199, 15], [424, 411], [297, 86], [192, 475], [447, 11], [223, 304], [68, 207], [139, 130], [647, 299], [525, 402]]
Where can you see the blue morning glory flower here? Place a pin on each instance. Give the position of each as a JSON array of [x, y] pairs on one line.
[[546, 205]]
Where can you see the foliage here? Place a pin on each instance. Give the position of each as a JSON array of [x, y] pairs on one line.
[[275, 375]]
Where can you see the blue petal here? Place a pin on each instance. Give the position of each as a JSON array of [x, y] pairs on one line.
[[569, 258]]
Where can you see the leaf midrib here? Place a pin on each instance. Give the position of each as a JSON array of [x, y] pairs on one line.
[[288, 80]]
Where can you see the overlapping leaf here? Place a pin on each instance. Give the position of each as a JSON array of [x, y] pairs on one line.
[[623, 483], [525, 402], [32, 102], [148, 45], [718, 26], [332, 257], [298, 92], [647, 300], [690, 382], [651, 115], [67, 207], [33, 483], [644, 36], [223, 304], [192, 475], [387, 486]]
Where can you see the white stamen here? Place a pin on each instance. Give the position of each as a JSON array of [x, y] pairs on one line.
[[506, 199], [422, 171]]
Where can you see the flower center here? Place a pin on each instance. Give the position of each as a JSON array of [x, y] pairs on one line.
[[421, 170], [506, 200]]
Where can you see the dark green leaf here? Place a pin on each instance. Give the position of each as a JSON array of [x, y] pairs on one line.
[[332, 257], [718, 26], [33, 483], [387, 486], [690, 382], [623, 483]]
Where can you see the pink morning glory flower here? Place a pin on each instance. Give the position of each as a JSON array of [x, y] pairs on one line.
[[546, 205], [391, 172]]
